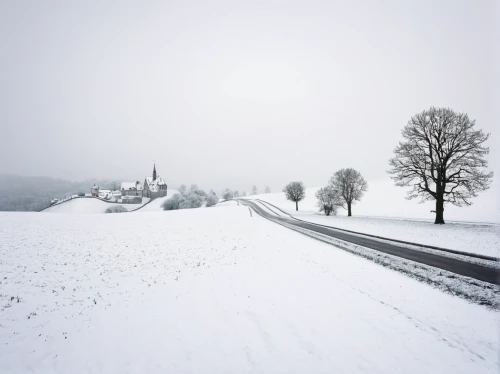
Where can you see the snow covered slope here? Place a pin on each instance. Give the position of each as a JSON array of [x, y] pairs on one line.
[[375, 214], [96, 206], [87, 206], [384, 199], [218, 291], [155, 205]]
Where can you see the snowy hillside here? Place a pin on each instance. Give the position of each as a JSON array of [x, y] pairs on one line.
[[88, 206], [374, 215], [155, 205], [96, 206], [384, 199], [217, 290]]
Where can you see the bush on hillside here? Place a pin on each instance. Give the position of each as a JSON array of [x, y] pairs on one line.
[[194, 198], [212, 200], [116, 209]]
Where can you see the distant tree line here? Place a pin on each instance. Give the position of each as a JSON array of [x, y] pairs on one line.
[[229, 193]]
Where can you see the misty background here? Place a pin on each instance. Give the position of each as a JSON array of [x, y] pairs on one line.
[[232, 94]]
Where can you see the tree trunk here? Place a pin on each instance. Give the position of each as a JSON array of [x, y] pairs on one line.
[[297, 206], [349, 213], [439, 209]]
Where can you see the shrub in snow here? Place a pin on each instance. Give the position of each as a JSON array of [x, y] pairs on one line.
[[81, 193], [191, 201], [194, 198], [328, 200], [116, 209], [182, 189], [173, 202], [194, 190], [212, 200]]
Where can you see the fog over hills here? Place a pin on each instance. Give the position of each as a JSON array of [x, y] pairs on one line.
[[21, 193]]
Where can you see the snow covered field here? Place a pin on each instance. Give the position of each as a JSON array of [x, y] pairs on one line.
[[218, 291], [384, 199], [88, 206], [155, 205], [467, 236], [96, 206]]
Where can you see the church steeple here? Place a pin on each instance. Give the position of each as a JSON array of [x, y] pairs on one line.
[[154, 172]]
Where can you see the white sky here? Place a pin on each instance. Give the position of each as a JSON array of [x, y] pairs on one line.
[[235, 93]]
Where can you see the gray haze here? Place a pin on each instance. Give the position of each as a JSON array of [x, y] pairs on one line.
[[235, 93]]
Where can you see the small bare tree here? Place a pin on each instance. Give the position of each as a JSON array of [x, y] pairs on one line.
[[295, 191], [349, 185], [328, 200], [254, 190], [441, 158], [267, 190]]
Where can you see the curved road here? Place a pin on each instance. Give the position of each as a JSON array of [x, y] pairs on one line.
[[479, 272]]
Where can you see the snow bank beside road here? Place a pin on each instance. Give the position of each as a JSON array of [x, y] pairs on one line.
[[467, 237], [475, 237], [216, 290]]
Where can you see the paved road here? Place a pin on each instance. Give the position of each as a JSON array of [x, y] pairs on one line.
[[482, 273]]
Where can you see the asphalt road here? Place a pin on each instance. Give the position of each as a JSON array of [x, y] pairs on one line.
[[479, 272]]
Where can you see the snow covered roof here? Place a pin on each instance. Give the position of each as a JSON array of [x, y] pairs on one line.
[[131, 186], [154, 185]]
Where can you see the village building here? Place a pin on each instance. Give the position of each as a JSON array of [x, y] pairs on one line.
[[132, 189], [94, 190], [105, 194], [154, 186]]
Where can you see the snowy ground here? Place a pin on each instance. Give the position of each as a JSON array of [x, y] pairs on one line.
[[96, 206], [217, 291], [155, 205], [88, 206], [386, 200], [475, 237]]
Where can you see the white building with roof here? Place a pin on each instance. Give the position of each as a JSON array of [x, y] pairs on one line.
[[154, 186], [132, 189]]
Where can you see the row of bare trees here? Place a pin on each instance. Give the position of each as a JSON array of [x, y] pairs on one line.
[[344, 188], [442, 158]]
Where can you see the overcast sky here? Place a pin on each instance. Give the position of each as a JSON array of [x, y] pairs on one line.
[[235, 93]]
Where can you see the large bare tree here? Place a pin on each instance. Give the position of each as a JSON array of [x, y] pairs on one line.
[[295, 191], [441, 157], [350, 185]]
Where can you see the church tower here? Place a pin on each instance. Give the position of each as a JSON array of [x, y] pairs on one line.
[[154, 172]]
